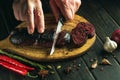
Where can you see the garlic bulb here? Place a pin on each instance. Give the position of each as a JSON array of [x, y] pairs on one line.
[[110, 45]]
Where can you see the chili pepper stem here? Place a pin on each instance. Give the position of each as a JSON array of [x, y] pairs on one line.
[[28, 74]]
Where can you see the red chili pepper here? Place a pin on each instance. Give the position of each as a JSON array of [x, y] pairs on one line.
[[16, 69], [14, 62]]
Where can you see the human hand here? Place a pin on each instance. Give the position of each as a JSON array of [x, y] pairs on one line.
[[65, 7], [31, 12]]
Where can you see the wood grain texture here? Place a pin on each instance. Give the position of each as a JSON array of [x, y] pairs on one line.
[[105, 24], [104, 14], [42, 54]]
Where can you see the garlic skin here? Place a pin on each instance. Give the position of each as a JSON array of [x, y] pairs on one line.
[[110, 45]]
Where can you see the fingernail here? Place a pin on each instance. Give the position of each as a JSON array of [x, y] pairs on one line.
[[70, 17], [30, 31], [41, 30]]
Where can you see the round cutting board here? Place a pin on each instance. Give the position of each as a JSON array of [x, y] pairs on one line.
[[42, 54]]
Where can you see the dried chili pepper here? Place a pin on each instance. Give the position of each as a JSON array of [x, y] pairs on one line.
[[16, 69], [68, 69], [14, 62], [43, 73]]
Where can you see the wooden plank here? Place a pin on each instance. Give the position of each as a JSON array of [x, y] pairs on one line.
[[3, 29], [109, 72], [6, 74], [53, 76], [113, 8], [80, 73], [46, 6], [116, 54], [104, 25], [97, 15], [7, 20], [15, 76], [2, 71], [102, 72], [3, 21]]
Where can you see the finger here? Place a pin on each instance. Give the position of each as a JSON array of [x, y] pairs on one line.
[[54, 9], [39, 17], [15, 10], [22, 13], [30, 18], [77, 5], [66, 8]]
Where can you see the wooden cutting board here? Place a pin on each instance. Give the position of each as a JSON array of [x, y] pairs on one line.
[[42, 54]]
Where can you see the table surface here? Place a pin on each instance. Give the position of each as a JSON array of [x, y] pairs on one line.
[[105, 16]]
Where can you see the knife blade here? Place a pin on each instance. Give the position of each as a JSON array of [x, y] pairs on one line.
[[58, 30]]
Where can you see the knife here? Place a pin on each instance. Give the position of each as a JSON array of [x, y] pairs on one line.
[[58, 30]]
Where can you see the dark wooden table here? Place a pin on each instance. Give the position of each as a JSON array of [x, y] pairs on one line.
[[105, 16]]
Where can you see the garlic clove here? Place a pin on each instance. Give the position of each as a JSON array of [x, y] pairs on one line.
[[94, 65], [109, 45]]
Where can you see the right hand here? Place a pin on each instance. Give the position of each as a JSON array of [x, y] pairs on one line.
[[67, 8]]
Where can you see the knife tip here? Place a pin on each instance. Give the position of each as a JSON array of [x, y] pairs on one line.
[[51, 52]]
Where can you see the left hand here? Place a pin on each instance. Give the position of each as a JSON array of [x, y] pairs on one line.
[[31, 12]]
